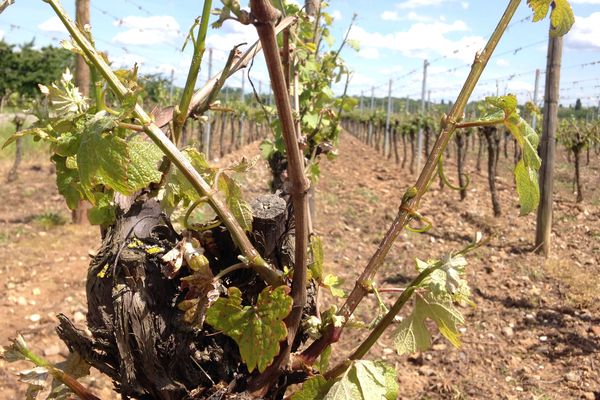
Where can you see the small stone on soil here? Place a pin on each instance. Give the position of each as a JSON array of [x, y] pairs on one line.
[[508, 331], [572, 376], [78, 317], [51, 351], [34, 317]]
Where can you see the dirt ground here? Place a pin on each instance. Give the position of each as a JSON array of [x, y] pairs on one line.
[[534, 334]]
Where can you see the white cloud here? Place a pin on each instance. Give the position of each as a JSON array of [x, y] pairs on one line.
[[230, 35], [179, 69], [369, 53], [361, 80], [147, 30], [411, 16], [337, 15], [1, 34], [126, 60], [464, 5], [391, 70], [585, 33], [519, 86], [164, 69], [410, 4], [390, 16], [423, 39], [52, 24], [502, 62]]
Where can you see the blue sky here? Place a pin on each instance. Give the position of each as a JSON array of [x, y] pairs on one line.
[[395, 36]]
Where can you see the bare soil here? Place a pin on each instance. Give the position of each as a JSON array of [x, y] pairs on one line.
[[534, 334]]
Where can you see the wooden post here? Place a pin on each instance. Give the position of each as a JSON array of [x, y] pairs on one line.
[[535, 98], [422, 116], [386, 140], [206, 137], [82, 81], [548, 144], [82, 71], [312, 6]]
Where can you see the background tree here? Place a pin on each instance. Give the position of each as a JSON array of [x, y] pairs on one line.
[[9, 72], [576, 136], [21, 70]]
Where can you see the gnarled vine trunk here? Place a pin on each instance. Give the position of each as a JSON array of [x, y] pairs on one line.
[[459, 138], [139, 338], [577, 157], [13, 173], [493, 140]]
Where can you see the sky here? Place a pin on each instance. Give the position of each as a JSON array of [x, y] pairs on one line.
[[396, 37]]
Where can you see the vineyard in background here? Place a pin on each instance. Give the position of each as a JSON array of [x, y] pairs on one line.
[[197, 292]]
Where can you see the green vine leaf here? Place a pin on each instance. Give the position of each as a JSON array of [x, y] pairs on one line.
[[447, 279], [311, 120], [239, 207], [508, 104], [67, 181], [103, 212], [528, 140], [412, 334], [178, 188], [363, 380], [102, 157], [561, 16], [244, 165], [258, 329], [527, 187], [314, 388], [35, 378], [143, 168], [267, 149], [316, 267], [333, 283], [314, 172], [105, 158], [540, 8], [35, 132]]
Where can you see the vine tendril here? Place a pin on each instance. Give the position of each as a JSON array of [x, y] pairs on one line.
[[447, 181]]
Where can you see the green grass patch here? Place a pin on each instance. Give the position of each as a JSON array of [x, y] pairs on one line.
[[50, 219], [31, 149], [367, 194]]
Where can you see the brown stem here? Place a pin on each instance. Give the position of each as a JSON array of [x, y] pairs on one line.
[[265, 15], [411, 202], [473, 124], [285, 57], [131, 127], [200, 99]]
